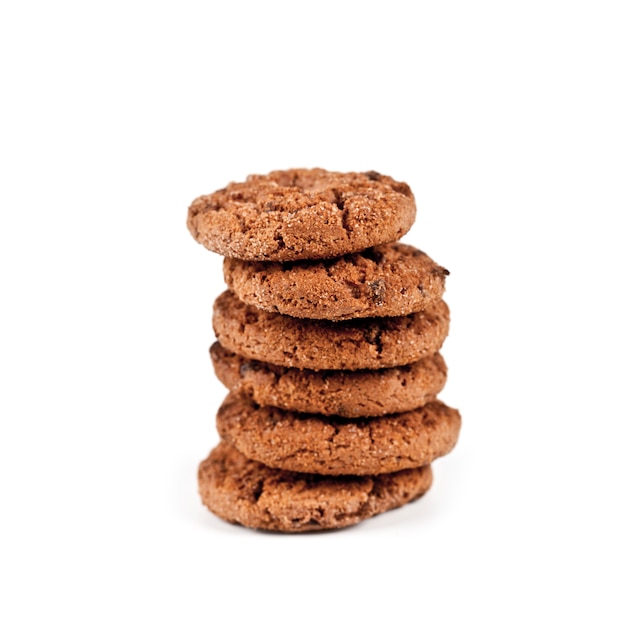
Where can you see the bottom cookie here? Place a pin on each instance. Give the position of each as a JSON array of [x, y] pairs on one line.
[[249, 493]]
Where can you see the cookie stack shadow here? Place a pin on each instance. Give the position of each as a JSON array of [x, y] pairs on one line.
[[328, 340]]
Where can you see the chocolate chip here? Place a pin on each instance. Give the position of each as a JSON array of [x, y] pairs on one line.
[[372, 175], [378, 289]]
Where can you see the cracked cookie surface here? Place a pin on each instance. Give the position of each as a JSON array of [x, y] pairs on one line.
[[246, 492], [387, 280], [302, 214], [332, 392], [334, 446], [367, 343]]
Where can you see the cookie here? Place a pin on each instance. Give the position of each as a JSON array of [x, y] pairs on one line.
[[387, 280], [368, 343], [245, 492], [332, 392], [315, 444], [302, 214]]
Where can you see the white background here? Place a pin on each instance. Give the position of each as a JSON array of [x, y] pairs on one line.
[[508, 121]]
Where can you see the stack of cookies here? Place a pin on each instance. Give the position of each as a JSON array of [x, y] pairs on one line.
[[328, 340]]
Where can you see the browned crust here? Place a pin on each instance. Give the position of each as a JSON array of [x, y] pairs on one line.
[[387, 280], [245, 492], [333, 446], [345, 393], [368, 343], [302, 214]]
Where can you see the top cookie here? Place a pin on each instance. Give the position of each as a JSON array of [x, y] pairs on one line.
[[301, 214]]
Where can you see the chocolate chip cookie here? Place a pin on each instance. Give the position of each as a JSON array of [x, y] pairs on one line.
[[368, 343], [249, 493], [387, 280], [344, 393], [302, 214], [316, 444]]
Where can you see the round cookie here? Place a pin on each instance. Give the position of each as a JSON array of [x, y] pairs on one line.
[[301, 442], [344, 393], [302, 214], [387, 280], [245, 492], [368, 343]]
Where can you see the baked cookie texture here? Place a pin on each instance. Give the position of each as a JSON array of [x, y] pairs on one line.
[[302, 214], [387, 280], [368, 343], [243, 491], [333, 446], [345, 393], [328, 340]]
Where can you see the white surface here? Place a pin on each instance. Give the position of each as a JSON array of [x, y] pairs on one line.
[[507, 120]]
